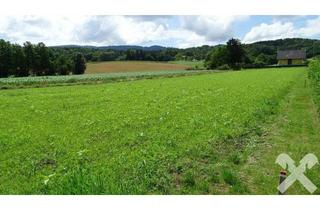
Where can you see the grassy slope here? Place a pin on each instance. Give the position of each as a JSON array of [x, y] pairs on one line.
[[179, 135], [295, 131]]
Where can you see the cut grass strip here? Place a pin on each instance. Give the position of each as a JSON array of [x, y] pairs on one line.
[[295, 131]]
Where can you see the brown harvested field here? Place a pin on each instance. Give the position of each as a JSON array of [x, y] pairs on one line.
[[131, 66]]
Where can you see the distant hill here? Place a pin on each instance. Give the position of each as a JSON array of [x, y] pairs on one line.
[[268, 47], [135, 47], [115, 47]]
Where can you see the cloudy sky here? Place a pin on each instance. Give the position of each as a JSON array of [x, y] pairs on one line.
[[171, 31]]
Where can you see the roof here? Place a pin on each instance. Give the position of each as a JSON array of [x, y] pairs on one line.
[[291, 54]]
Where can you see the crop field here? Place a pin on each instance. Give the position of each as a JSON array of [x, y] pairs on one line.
[[133, 66], [201, 134], [43, 81]]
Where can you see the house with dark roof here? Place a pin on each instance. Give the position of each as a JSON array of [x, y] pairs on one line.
[[291, 57]]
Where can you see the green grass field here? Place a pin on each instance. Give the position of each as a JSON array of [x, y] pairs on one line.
[[201, 134]]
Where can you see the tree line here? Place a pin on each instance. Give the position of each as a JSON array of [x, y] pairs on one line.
[[122, 53], [37, 60], [255, 54], [93, 54]]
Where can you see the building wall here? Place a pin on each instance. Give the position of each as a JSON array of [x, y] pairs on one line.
[[297, 61], [294, 62], [282, 62]]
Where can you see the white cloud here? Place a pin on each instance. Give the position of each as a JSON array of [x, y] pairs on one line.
[[213, 28], [138, 32], [312, 28], [153, 18], [284, 29], [178, 31], [185, 38], [96, 30], [276, 30], [287, 18], [50, 30], [181, 31]]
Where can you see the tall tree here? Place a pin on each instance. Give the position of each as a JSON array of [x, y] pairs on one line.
[[79, 64], [18, 61], [42, 59], [63, 65], [30, 57], [235, 53], [217, 57], [5, 58]]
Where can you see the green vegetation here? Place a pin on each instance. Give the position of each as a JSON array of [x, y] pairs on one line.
[[37, 60], [217, 58], [79, 64], [257, 54], [43, 81], [261, 53], [235, 55], [191, 64], [231, 56], [137, 53], [189, 135], [266, 51], [314, 75], [295, 130]]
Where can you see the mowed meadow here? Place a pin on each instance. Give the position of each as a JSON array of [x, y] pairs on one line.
[[183, 135]]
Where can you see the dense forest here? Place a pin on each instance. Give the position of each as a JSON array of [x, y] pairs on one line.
[[121, 53], [31, 59], [38, 60], [266, 51]]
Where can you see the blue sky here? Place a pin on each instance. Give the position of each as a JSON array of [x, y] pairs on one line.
[[172, 31]]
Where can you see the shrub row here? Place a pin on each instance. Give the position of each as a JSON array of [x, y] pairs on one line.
[[314, 75]]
